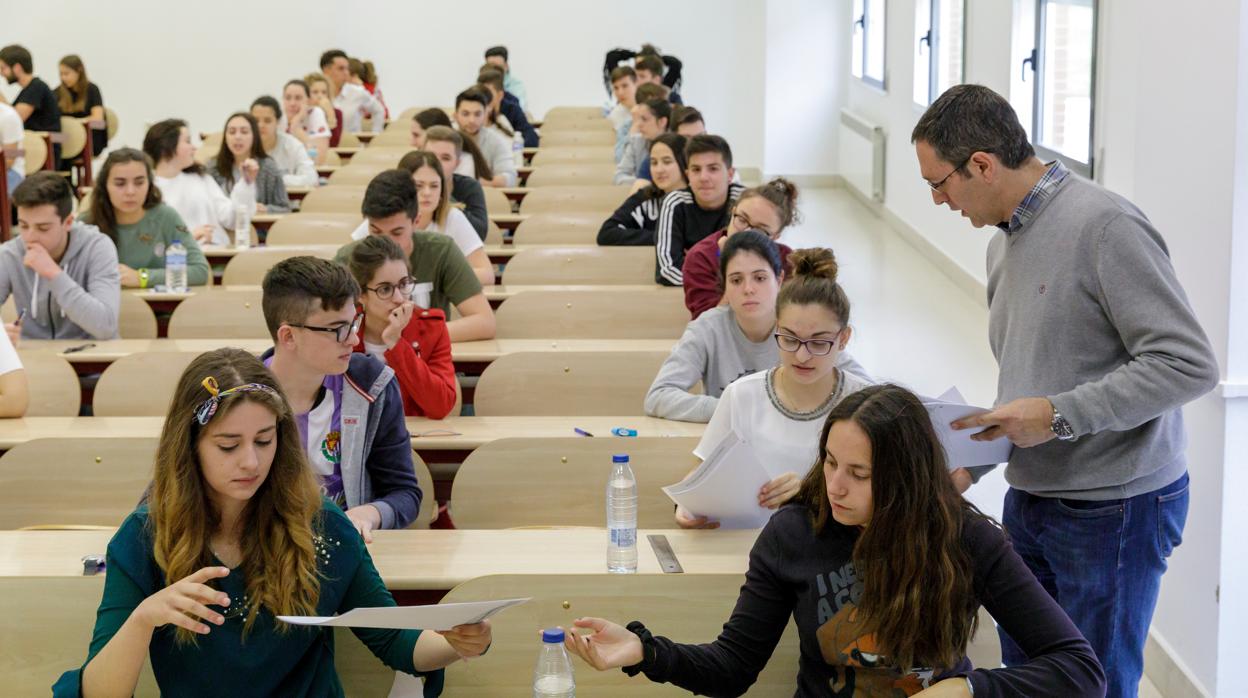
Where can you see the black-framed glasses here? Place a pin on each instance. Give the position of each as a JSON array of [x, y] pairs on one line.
[[744, 222], [340, 332], [937, 185], [816, 347], [385, 290]]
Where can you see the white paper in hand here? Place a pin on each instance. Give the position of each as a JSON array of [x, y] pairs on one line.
[[443, 616], [960, 450], [725, 486]]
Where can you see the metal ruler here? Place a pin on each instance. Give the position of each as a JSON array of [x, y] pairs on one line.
[[663, 551]]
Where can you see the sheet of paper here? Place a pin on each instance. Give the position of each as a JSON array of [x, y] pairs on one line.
[[443, 616], [725, 486], [960, 450]]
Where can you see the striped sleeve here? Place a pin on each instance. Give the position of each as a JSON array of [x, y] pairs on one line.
[[667, 239]]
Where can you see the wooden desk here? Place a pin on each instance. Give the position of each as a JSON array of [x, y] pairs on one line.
[[508, 221], [326, 170], [454, 437], [365, 136], [432, 559], [499, 293], [263, 221], [515, 193], [297, 193], [345, 154]]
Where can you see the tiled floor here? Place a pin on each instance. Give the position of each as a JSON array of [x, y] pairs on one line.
[[911, 324]]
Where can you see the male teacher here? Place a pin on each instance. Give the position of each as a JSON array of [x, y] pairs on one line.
[[1098, 349]]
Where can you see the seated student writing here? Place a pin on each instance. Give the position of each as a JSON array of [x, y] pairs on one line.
[[734, 340], [704, 207], [498, 57], [650, 119], [242, 158], [62, 273], [14, 390], [507, 106], [688, 122], [130, 212], [635, 221], [409, 339], [470, 108], [348, 406], [319, 95], [778, 411], [442, 275], [902, 565], [303, 120], [185, 185], [235, 532], [446, 143], [287, 152], [80, 98], [769, 209], [437, 215]]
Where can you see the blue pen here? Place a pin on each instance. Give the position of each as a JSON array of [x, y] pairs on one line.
[[581, 431]]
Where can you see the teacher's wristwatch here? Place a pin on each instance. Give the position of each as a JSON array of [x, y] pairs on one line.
[[1061, 428]]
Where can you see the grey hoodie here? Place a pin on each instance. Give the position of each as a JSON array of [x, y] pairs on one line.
[[82, 302]]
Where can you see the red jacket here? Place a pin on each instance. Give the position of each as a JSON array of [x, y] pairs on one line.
[[701, 273], [422, 362]]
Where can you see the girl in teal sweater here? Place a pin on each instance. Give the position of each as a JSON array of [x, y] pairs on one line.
[[234, 533]]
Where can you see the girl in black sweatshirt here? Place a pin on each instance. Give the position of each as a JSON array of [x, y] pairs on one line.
[[883, 566], [635, 221]]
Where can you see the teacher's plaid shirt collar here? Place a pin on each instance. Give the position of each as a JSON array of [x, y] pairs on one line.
[[1035, 198]]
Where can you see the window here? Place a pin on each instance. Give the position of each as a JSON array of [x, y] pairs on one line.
[[868, 42], [1057, 79], [939, 27]]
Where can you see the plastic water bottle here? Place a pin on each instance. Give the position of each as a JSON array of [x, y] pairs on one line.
[[553, 676], [242, 227], [312, 153], [621, 517], [175, 267]]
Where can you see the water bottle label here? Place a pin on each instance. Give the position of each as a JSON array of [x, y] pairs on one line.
[[624, 537]]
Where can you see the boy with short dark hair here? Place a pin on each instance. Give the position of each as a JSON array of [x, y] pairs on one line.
[[348, 405], [470, 108], [448, 146], [442, 276], [688, 122], [352, 99], [36, 103], [62, 273], [498, 57], [690, 214], [650, 69]]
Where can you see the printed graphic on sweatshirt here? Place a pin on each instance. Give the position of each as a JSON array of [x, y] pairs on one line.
[[859, 670]]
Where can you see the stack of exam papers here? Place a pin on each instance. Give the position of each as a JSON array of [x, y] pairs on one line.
[[442, 616], [960, 450]]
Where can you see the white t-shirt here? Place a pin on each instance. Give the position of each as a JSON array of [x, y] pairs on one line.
[[355, 102], [292, 159], [783, 442], [377, 351], [9, 360], [457, 227], [200, 201], [11, 133], [314, 124]]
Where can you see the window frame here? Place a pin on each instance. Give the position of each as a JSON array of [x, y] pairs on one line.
[[1038, 66], [932, 39], [862, 23]]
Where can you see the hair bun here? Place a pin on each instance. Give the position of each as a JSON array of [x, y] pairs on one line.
[[785, 188], [817, 262]]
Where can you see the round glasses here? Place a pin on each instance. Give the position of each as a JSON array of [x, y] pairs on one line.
[[385, 291], [816, 347]]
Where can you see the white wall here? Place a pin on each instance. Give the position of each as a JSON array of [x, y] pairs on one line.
[[1165, 137], [207, 60]]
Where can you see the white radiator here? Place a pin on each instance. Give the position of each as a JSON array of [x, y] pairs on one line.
[[862, 155]]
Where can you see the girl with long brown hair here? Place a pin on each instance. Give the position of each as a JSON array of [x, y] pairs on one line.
[[883, 566], [234, 533], [80, 98], [241, 158]]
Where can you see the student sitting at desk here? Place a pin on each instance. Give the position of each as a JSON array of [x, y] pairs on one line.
[[635, 221], [409, 339], [779, 410], [347, 405], [441, 273], [129, 211], [883, 567], [704, 207], [14, 390], [449, 147], [303, 120], [186, 186], [233, 533], [242, 159], [769, 209], [649, 120], [318, 94], [61, 273], [731, 341], [470, 117], [287, 152]]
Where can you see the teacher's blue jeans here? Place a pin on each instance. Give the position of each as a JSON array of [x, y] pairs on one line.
[[1102, 561]]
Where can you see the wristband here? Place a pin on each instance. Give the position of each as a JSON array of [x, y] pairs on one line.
[[143, 278]]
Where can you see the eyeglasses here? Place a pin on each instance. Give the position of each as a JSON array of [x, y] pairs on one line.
[[816, 347], [385, 291], [744, 222], [340, 332], [937, 185]]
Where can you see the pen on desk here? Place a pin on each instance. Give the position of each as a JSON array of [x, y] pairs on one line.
[[581, 431], [80, 347]]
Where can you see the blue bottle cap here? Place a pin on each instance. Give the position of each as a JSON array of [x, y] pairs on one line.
[[552, 635], [619, 458]]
